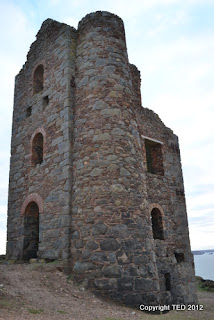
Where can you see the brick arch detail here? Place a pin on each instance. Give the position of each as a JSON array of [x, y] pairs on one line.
[[156, 205], [42, 62], [33, 197], [43, 132]]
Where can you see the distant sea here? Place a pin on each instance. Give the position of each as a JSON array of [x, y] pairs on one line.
[[204, 265]]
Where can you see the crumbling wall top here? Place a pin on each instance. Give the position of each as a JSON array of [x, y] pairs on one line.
[[49, 26], [95, 16]]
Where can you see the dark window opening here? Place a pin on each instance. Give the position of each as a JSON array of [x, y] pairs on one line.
[[157, 224], [167, 281], [28, 112], [73, 85], [179, 257], [37, 149], [38, 79], [31, 231], [154, 158], [45, 101]]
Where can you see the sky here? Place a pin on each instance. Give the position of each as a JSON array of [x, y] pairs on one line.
[[172, 44]]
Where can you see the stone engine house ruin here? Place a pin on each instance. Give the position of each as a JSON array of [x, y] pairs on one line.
[[95, 178]]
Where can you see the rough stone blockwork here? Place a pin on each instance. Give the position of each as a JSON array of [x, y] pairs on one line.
[[95, 178]]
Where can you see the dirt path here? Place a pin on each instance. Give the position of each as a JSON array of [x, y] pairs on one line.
[[43, 292]]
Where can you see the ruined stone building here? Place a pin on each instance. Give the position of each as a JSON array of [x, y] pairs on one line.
[[95, 178]]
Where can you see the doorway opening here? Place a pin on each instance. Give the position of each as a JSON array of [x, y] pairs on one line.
[[31, 231]]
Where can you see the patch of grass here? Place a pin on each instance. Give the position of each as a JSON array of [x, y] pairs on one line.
[[5, 304], [35, 311], [61, 312], [53, 262], [70, 277], [200, 287], [36, 266]]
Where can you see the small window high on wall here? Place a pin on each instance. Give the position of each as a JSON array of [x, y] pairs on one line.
[[154, 158], [157, 224], [37, 149], [38, 79]]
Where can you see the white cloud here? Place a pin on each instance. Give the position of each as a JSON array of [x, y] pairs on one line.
[[71, 21], [201, 237], [135, 9]]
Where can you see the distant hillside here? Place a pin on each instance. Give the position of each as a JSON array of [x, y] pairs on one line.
[[197, 252]]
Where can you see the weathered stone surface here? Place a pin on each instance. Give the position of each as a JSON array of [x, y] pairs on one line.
[[99, 257], [124, 172], [101, 137], [81, 267], [113, 271], [119, 231], [109, 245], [107, 113], [125, 284], [96, 172], [106, 284], [99, 228], [99, 105], [145, 285], [91, 245], [95, 178]]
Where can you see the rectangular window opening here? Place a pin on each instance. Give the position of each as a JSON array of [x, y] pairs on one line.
[[154, 157], [179, 257], [167, 281], [28, 112], [45, 101]]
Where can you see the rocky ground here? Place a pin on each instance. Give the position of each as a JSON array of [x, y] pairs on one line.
[[44, 292]]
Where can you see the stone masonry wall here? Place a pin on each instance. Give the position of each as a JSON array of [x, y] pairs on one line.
[[51, 115], [167, 192], [104, 165], [112, 244]]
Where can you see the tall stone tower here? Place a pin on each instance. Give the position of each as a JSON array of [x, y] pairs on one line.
[[95, 178]]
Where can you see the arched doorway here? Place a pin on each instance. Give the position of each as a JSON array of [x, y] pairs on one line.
[[31, 231]]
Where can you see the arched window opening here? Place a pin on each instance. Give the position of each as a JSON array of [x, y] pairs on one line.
[[28, 112], [157, 224], [45, 101], [37, 149], [38, 79], [31, 231]]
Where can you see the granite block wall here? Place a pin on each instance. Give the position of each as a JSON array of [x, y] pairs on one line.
[[95, 178]]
